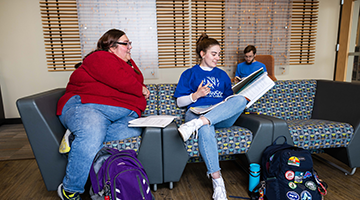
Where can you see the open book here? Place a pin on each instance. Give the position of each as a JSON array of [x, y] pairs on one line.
[[252, 87], [152, 121]]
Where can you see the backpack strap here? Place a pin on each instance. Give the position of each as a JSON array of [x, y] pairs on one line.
[[285, 142]]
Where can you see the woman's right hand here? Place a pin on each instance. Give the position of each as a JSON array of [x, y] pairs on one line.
[[201, 91]]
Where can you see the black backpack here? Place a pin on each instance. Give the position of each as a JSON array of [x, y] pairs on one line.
[[287, 173]]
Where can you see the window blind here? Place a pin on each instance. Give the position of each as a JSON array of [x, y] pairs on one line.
[[180, 24], [208, 17], [61, 34], [136, 18], [303, 32], [173, 26], [262, 23], [265, 24]]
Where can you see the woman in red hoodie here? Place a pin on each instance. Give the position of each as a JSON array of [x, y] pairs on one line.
[[102, 96]]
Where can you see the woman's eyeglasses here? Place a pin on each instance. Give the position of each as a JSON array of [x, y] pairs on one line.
[[125, 43]]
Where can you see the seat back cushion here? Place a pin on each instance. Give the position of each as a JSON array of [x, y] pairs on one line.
[[167, 102], [337, 101], [288, 100], [152, 101]]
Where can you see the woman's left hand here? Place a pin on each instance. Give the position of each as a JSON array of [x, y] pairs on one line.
[[145, 92]]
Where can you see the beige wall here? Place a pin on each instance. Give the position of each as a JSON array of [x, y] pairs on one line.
[[23, 69]]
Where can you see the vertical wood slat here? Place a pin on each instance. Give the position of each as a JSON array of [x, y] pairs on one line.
[[61, 34]]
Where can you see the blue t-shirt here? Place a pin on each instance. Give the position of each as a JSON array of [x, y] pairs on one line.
[[191, 78], [243, 70]]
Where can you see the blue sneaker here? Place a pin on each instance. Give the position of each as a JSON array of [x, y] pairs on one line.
[[67, 195]]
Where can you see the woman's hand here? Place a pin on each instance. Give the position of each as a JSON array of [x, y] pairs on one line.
[[145, 92], [201, 91]]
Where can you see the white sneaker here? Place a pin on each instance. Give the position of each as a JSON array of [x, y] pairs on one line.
[[187, 129], [219, 189]]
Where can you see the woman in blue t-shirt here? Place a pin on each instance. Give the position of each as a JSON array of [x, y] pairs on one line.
[[202, 86]]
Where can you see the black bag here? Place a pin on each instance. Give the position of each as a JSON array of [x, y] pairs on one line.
[[288, 173]]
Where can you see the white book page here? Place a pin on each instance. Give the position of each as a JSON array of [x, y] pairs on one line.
[[152, 121], [257, 89]]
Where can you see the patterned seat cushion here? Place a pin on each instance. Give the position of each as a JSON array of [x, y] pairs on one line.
[[230, 141], [292, 100], [320, 134], [129, 143]]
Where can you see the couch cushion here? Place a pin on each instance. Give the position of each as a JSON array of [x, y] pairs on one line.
[[232, 140], [129, 143], [167, 102], [152, 102], [288, 100], [320, 134]]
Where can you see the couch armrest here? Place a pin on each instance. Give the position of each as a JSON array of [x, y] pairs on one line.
[[262, 130], [150, 154], [337, 101], [44, 131]]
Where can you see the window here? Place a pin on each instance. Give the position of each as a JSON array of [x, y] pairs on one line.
[[173, 26], [264, 24], [168, 36], [180, 24], [303, 32], [209, 17], [136, 18], [61, 34], [234, 24]]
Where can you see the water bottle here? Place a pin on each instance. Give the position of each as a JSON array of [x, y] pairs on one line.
[[254, 176]]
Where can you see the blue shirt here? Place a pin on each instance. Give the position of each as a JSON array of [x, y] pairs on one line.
[[191, 78], [243, 70]]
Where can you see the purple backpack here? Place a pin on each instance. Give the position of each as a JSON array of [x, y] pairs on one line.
[[118, 175]]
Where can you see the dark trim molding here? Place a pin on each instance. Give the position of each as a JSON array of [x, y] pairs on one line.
[[13, 121]]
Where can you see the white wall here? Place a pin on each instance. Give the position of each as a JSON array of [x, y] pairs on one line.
[[23, 69], [326, 39]]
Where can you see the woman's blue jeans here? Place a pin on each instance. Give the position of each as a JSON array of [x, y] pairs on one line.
[[92, 125], [222, 116]]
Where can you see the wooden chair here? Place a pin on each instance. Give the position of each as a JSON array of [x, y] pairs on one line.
[[269, 62]]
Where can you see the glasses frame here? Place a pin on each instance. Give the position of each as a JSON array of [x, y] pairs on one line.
[[125, 43]]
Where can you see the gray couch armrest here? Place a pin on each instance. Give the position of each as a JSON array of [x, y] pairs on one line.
[[44, 131], [262, 130], [150, 154], [337, 101]]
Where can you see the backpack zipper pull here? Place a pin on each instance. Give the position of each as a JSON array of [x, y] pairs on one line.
[[262, 190], [107, 192]]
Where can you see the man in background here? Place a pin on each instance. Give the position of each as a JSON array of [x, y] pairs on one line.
[[250, 65]]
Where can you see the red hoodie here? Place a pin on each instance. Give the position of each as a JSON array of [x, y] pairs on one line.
[[104, 78]]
